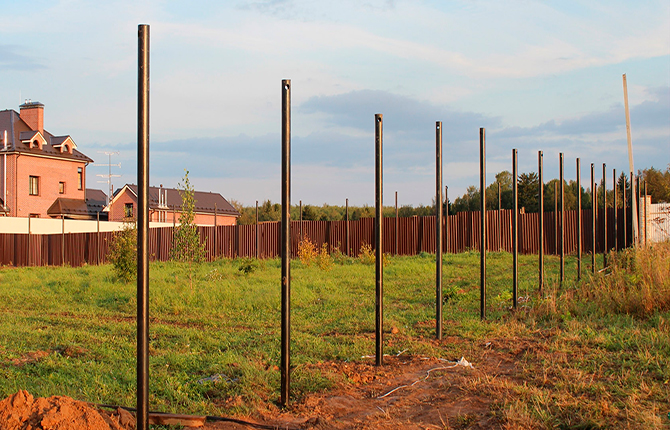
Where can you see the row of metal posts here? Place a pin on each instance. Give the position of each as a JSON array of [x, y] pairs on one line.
[[143, 228]]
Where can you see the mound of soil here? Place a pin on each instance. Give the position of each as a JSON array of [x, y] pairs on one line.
[[21, 411]]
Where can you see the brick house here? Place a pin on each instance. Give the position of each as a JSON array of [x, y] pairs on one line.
[[41, 175], [165, 205]]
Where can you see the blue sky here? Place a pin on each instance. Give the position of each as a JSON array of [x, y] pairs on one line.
[[538, 75]]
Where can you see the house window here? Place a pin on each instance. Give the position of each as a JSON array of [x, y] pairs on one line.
[[34, 215], [61, 188], [34, 186], [80, 177], [128, 210]]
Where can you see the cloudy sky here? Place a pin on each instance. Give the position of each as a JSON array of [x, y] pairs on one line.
[[538, 75]]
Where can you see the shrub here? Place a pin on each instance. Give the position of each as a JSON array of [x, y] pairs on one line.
[[123, 252], [366, 255], [307, 251], [323, 258]]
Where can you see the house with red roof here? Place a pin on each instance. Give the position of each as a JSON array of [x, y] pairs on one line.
[[165, 205], [42, 175]]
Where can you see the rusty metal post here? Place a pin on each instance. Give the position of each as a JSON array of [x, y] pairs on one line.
[[256, 234], [438, 230], [28, 254], [625, 216], [639, 220], [646, 222], [604, 217], [515, 229], [594, 212], [579, 220], [286, 242], [616, 209], [562, 187], [62, 242], [555, 218], [482, 219], [216, 215], [379, 250], [541, 218], [396, 223], [97, 239], [346, 213], [300, 209], [500, 221], [143, 229], [446, 218]]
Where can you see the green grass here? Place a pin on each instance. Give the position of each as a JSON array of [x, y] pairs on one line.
[[221, 321]]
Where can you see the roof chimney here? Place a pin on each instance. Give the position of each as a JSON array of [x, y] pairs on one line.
[[32, 113]]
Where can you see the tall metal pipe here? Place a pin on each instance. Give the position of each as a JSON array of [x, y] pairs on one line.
[[438, 230], [604, 217], [616, 209], [646, 222], [639, 221], [555, 218], [300, 216], [482, 219], [346, 213], [594, 212], [541, 223], [446, 218], [625, 216], [28, 247], [515, 229], [285, 241], [397, 221], [143, 229], [258, 242], [579, 220], [562, 188], [379, 250]]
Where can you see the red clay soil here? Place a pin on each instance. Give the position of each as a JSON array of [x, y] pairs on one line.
[[21, 411]]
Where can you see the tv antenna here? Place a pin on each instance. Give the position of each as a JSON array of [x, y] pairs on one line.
[[108, 175]]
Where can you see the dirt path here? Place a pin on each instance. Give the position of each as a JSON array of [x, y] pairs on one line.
[[408, 392]]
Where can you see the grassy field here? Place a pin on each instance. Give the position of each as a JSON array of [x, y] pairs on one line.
[[597, 352]]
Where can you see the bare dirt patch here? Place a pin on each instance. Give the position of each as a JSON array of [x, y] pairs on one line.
[[21, 411]]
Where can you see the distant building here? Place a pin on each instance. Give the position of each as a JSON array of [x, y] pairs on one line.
[[165, 205], [42, 175]]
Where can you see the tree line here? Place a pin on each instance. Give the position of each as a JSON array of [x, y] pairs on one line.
[[658, 186]]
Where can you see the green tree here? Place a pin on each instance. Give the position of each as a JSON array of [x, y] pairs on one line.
[[123, 252], [528, 188], [186, 246], [658, 184]]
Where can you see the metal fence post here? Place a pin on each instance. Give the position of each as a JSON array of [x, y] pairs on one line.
[[300, 241], [541, 217], [579, 220], [625, 216], [562, 187], [646, 222], [62, 242], [256, 233], [604, 217], [28, 247], [438, 230], [482, 218], [515, 230], [396, 223], [555, 218], [143, 230], [594, 212], [286, 244], [616, 215], [216, 215], [346, 213], [379, 251], [446, 218]]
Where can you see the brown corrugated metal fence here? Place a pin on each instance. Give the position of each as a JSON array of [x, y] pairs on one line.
[[415, 235]]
